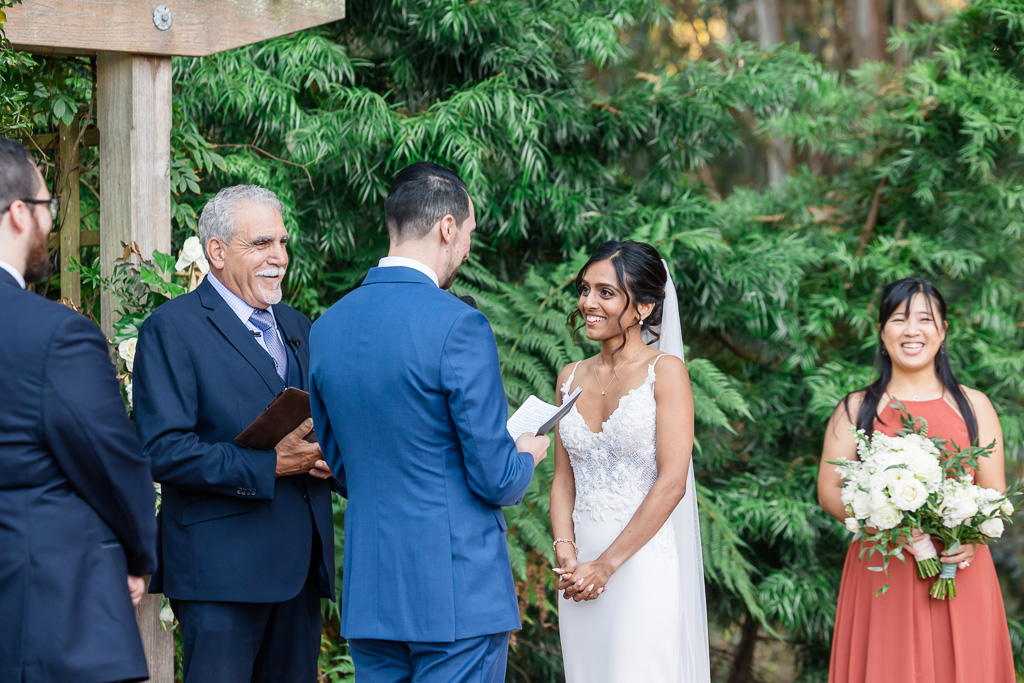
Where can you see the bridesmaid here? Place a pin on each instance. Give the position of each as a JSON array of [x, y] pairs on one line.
[[904, 634]]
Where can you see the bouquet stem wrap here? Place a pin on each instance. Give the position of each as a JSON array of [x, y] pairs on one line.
[[944, 587], [927, 557]]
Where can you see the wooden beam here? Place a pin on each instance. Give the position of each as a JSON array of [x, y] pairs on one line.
[[134, 113], [48, 141], [87, 238], [68, 173], [197, 27]]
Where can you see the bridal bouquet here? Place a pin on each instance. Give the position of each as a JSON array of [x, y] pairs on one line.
[[966, 513], [886, 489], [913, 481]]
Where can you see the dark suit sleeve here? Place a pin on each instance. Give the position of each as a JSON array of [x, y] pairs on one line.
[[471, 374], [325, 435], [87, 429], [167, 415]]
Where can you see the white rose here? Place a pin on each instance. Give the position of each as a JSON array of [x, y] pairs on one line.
[[878, 481], [192, 252], [128, 392], [861, 504], [925, 467], [885, 517], [167, 615], [993, 528], [126, 350], [1006, 507], [878, 498], [852, 525], [908, 493]]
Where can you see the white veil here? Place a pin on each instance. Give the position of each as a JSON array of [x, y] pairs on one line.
[[686, 523]]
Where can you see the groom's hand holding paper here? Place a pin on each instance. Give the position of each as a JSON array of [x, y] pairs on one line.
[[537, 417]]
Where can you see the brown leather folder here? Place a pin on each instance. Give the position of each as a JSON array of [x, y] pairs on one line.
[[284, 414]]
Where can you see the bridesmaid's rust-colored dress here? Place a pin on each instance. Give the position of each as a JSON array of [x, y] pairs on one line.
[[905, 635]]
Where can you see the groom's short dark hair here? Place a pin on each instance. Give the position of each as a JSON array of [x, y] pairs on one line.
[[421, 195]]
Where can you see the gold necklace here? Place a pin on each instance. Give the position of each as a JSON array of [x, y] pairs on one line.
[[614, 376]]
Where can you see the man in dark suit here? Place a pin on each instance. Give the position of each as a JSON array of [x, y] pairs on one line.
[[246, 536], [77, 506], [407, 397]]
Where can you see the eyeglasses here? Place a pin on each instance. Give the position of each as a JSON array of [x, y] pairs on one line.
[[52, 204]]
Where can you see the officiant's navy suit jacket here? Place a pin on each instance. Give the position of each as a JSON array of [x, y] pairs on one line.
[[76, 500], [408, 402], [229, 531]]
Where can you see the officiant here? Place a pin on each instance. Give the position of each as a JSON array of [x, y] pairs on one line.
[[246, 536]]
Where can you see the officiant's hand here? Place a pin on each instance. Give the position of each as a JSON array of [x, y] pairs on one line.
[[295, 455], [537, 446]]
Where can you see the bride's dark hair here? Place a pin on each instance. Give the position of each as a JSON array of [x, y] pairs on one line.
[[641, 276], [898, 296]]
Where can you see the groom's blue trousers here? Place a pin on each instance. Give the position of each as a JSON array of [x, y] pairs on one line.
[[471, 660]]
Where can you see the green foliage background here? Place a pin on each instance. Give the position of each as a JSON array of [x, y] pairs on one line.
[[565, 142]]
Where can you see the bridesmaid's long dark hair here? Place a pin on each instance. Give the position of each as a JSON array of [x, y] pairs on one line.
[[898, 295]]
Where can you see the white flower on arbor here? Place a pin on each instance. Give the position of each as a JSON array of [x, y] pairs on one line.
[[192, 252], [126, 350]]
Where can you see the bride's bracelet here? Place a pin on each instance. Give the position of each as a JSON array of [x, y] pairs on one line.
[[554, 546]]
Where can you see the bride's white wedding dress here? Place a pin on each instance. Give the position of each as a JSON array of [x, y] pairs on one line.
[[650, 625], [633, 632]]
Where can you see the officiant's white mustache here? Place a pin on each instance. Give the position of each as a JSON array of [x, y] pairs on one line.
[[276, 271]]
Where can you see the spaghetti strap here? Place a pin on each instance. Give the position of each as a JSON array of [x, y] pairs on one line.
[[651, 376], [568, 381]]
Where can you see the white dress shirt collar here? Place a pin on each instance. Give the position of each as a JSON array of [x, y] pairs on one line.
[[18, 277], [391, 261]]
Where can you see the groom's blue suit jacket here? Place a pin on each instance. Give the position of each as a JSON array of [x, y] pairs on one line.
[[409, 406]]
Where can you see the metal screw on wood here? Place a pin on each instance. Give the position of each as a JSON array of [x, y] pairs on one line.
[[162, 17]]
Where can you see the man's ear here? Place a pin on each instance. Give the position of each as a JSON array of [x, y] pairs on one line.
[[17, 216], [215, 253], [448, 227]]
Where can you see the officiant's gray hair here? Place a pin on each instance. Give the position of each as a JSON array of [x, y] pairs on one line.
[[422, 194], [219, 217]]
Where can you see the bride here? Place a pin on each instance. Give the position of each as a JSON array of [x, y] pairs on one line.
[[623, 504]]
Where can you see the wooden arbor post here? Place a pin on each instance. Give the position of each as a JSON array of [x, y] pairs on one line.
[[133, 41]]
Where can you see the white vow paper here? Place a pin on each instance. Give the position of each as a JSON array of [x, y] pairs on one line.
[[539, 417]]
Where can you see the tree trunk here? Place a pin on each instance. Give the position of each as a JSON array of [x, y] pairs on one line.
[[867, 27], [769, 34], [742, 670]]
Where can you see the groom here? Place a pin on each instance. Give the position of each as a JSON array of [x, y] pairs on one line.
[[410, 410]]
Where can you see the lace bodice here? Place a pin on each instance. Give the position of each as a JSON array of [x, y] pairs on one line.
[[616, 467]]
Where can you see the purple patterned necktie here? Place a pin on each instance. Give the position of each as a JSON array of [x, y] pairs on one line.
[[263, 319]]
